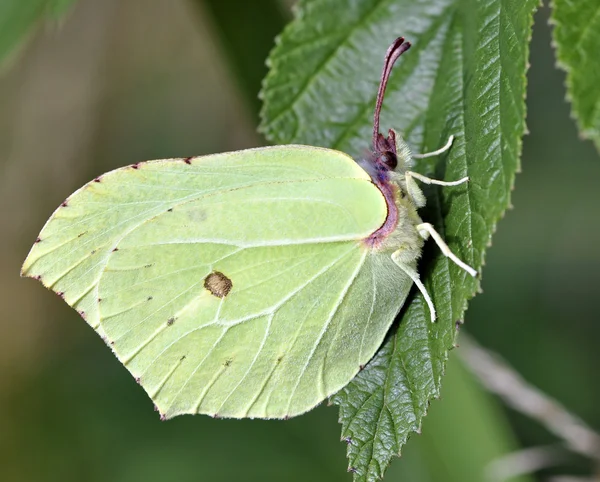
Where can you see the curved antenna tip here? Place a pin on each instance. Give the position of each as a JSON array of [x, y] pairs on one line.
[[395, 50]]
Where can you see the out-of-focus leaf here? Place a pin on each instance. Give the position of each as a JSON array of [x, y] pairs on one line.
[[577, 40], [18, 17], [245, 45], [465, 75], [466, 431]]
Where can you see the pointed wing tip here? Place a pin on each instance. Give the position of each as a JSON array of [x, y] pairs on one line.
[[26, 272], [29, 260], [26, 268]]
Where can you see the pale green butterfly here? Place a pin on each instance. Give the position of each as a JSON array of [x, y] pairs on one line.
[[247, 284]]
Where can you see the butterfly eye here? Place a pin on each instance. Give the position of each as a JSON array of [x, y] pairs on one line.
[[389, 159]]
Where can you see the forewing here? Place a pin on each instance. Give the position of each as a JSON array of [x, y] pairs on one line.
[[73, 248], [132, 251]]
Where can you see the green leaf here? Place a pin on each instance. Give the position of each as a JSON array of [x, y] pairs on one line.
[[18, 17], [465, 75], [577, 40]]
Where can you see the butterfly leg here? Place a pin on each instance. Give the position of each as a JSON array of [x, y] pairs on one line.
[[426, 230], [441, 150], [398, 257], [428, 180], [414, 191]]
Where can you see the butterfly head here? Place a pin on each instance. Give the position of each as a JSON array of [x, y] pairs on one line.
[[389, 153]]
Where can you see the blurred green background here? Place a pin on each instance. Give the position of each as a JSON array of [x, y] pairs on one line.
[[121, 82]]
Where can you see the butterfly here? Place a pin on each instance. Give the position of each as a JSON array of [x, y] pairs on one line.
[[253, 283]]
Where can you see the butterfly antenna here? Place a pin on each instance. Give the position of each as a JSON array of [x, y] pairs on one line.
[[398, 47]]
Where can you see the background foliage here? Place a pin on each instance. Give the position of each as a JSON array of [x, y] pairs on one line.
[[577, 40], [18, 18], [147, 79]]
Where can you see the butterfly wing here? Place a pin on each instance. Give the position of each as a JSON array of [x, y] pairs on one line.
[[234, 285]]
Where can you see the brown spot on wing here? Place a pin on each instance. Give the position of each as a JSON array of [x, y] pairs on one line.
[[218, 284]]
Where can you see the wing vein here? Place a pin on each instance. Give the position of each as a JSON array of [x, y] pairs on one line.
[[326, 325]]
